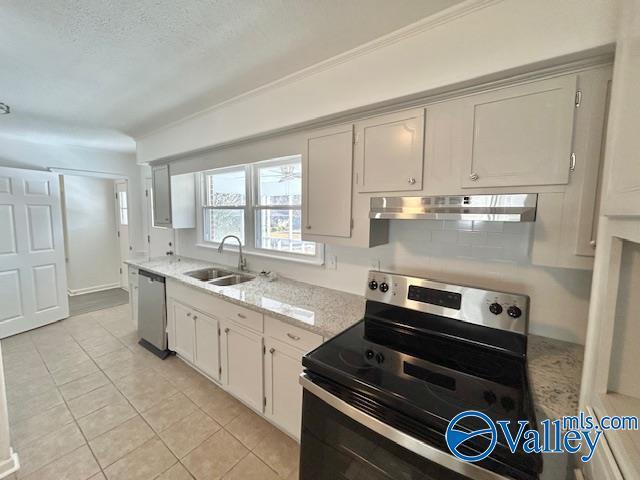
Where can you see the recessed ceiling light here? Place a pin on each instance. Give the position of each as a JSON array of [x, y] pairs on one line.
[[4, 109]]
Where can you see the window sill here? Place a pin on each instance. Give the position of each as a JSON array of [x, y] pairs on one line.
[[265, 254]]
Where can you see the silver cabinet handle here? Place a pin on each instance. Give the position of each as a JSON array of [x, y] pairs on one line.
[[226, 330], [241, 315], [411, 180], [188, 314], [592, 243], [272, 350], [293, 337], [474, 177], [308, 227], [195, 317]]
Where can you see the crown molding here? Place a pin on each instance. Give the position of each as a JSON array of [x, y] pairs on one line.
[[440, 18]]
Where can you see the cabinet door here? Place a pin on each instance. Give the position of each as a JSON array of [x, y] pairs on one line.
[[242, 364], [390, 151], [520, 135], [327, 174], [207, 355], [161, 195], [183, 330], [283, 366], [133, 293]]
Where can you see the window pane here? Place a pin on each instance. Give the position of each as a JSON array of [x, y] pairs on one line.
[[219, 223], [280, 230], [124, 216], [226, 189], [122, 200], [280, 184]]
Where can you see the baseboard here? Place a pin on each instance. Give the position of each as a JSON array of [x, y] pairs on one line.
[[97, 288], [9, 466]]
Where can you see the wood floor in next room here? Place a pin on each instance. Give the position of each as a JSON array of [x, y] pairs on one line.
[[86, 402]]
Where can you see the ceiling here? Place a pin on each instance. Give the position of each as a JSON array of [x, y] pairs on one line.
[[132, 66]]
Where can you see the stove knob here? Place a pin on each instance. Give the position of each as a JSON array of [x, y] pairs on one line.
[[507, 403], [384, 287], [495, 308], [489, 397], [514, 312], [369, 354], [379, 358], [373, 285]]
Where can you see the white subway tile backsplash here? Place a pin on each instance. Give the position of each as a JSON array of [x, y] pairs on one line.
[[458, 225], [480, 226], [445, 236], [472, 238]]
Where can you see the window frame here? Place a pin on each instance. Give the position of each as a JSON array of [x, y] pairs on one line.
[[252, 211]]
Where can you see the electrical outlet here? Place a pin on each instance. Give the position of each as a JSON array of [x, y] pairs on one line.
[[332, 262], [375, 264]]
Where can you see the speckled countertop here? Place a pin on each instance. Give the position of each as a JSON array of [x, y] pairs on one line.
[[555, 370], [320, 310], [555, 366]]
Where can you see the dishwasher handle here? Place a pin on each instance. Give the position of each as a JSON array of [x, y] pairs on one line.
[[152, 276]]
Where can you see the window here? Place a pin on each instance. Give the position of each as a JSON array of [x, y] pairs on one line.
[[123, 208], [225, 204], [260, 203]]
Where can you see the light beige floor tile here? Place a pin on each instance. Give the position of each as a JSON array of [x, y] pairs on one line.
[[77, 465], [294, 475], [75, 372], [95, 400], [66, 361], [251, 468], [203, 393], [152, 395], [105, 419], [177, 472], [108, 345], [25, 407], [249, 428], [83, 385], [116, 443], [25, 374], [39, 425], [215, 456], [223, 408], [120, 355], [278, 451], [188, 433], [144, 463], [100, 476], [46, 449], [169, 412], [36, 386]]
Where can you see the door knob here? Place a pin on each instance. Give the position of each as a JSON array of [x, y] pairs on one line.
[[411, 180], [272, 351], [474, 176], [226, 330]]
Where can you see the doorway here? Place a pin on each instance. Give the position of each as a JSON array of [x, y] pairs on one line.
[[122, 221]]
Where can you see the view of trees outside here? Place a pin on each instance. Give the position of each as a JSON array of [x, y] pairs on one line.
[[278, 200]]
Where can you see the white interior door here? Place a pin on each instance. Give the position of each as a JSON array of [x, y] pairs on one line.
[[33, 281], [122, 220], [160, 240]]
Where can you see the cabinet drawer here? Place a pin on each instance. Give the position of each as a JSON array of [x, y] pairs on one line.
[[244, 316], [295, 336], [133, 275]]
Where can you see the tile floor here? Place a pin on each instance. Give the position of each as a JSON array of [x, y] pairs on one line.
[[86, 402]]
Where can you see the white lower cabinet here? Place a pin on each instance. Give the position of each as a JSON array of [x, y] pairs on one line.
[[241, 352], [133, 294], [283, 393], [183, 329], [207, 343]]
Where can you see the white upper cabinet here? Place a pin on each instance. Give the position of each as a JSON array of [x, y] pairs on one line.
[[389, 152], [326, 190], [520, 135], [174, 198]]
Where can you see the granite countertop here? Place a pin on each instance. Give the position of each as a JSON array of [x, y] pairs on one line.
[[555, 367], [317, 309], [555, 370]]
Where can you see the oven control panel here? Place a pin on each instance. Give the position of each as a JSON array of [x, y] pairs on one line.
[[506, 311]]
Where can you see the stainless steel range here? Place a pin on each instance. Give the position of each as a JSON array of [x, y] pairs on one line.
[[378, 397]]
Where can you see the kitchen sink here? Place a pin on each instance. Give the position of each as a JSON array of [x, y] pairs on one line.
[[208, 274], [232, 279]]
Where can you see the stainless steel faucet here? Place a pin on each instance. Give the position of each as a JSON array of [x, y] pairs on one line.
[[242, 262]]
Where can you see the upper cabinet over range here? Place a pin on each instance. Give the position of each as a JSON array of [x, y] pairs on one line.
[[389, 152], [520, 135]]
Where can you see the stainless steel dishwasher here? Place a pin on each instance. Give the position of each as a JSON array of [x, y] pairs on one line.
[[152, 313]]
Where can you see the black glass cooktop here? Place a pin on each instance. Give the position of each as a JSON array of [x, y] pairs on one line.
[[427, 376]]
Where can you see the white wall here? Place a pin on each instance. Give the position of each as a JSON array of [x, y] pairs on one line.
[[93, 255], [37, 156], [484, 254], [471, 40]]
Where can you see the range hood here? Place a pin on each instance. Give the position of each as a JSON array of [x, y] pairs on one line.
[[487, 208]]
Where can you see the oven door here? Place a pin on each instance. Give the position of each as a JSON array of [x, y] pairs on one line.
[[339, 441]]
